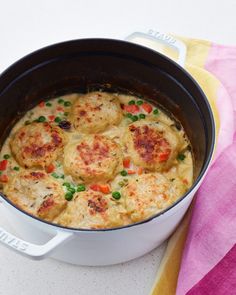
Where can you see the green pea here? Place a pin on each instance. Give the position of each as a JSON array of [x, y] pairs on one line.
[[55, 175], [71, 189], [68, 196], [181, 157], [80, 188], [62, 176], [116, 195], [134, 118], [156, 112], [139, 102], [6, 156], [57, 120], [67, 184], [142, 116], [124, 173], [131, 102], [16, 168], [41, 119], [130, 116], [67, 103], [48, 104], [60, 101]]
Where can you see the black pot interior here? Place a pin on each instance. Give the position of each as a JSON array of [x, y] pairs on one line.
[[82, 65]]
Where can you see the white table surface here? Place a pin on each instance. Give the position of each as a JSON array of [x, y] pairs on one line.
[[28, 25]]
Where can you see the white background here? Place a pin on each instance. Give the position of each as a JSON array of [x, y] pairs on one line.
[[29, 25]]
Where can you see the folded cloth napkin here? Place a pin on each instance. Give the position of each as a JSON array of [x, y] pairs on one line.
[[201, 255]]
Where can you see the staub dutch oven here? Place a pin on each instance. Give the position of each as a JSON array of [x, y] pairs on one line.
[[112, 65]]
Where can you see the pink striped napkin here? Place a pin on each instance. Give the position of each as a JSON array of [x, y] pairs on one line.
[[209, 258]]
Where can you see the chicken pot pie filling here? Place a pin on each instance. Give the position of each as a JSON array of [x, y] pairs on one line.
[[95, 160]]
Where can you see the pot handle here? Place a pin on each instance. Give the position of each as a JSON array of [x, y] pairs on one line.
[[33, 251], [165, 39]]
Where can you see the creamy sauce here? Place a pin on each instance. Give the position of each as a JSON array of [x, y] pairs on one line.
[[177, 176]]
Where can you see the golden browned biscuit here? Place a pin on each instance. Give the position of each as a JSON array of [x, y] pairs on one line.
[[95, 111], [37, 193], [152, 145], [37, 144], [93, 158], [148, 194], [93, 210]]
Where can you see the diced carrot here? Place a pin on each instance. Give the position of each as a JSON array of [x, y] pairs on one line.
[[126, 162], [140, 171], [41, 104], [95, 187], [147, 107], [60, 109], [50, 168], [164, 156], [51, 118], [131, 172], [105, 189], [3, 165], [131, 108], [3, 178], [185, 181]]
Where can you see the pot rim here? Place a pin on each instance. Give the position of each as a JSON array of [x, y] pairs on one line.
[[207, 160]]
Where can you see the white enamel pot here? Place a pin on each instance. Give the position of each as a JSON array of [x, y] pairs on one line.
[[113, 65]]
